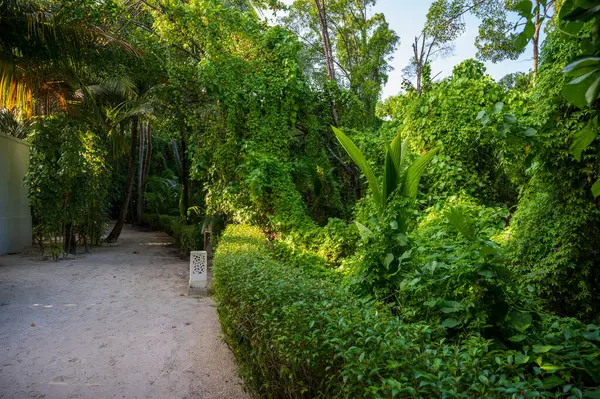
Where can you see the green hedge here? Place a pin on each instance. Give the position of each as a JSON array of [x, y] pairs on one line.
[[188, 237], [298, 333]]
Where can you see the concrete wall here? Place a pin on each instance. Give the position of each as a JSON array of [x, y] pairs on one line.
[[15, 216]]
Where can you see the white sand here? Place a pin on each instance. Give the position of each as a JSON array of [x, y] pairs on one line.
[[110, 324]]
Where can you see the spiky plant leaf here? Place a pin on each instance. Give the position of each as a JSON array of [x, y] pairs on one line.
[[360, 161], [414, 172], [391, 175]]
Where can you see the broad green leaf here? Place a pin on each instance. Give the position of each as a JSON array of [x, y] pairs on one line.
[[517, 338], [450, 306], [583, 138], [360, 161], [414, 172], [521, 320], [363, 230], [530, 132], [521, 40], [520, 358], [485, 119], [509, 118], [592, 92], [480, 114], [582, 77], [390, 176], [550, 367], [389, 258], [524, 8], [450, 323], [542, 348], [582, 62], [403, 152], [575, 93], [596, 189], [398, 151], [402, 239], [498, 107]]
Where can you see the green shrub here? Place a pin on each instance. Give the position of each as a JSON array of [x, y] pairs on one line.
[[67, 179], [298, 332]]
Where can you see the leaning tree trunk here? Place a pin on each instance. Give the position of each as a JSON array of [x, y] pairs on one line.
[[116, 231]]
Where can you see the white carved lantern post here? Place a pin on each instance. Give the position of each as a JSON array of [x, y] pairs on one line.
[[198, 272]]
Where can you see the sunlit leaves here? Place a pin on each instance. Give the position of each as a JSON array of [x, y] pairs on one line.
[[583, 138]]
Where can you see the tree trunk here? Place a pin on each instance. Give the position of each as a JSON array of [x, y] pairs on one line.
[[536, 40], [148, 156], [184, 176], [69, 241], [328, 54], [325, 39], [116, 231], [145, 170], [140, 178]]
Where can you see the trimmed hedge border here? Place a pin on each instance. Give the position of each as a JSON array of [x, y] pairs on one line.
[[188, 237], [298, 333]]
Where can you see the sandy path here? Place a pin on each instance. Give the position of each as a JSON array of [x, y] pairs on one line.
[[110, 324]]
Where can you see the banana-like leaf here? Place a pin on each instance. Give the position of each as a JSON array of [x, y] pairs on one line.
[[414, 172], [398, 151], [391, 175], [360, 161]]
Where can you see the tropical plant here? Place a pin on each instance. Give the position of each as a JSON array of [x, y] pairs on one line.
[[398, 174], [12, 125]]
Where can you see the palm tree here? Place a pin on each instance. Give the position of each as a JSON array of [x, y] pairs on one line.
[[41, 55]]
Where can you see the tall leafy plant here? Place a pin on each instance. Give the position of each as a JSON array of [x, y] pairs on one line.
[[397, 175], [385, 245]]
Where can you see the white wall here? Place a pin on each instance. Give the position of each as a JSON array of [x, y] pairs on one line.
[[15, 216]]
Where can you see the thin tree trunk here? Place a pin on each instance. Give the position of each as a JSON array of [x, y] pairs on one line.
[[536, 40], [148, 156], [116, 231], [325, 39], [140, 181], [69, 241], [184, 176], [145, 169], [418, 65], [328, 54]]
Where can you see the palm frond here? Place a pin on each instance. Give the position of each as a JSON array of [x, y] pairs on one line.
[[12, 125]]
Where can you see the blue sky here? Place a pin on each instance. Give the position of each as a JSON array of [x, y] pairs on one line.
[[406, 18]]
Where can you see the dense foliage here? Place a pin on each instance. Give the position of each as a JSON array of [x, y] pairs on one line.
[[442, 243], [300, 333]]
